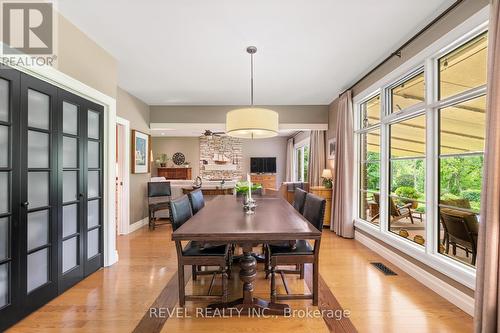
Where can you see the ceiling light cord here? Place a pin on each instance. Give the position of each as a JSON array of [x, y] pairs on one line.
[[251, 79]]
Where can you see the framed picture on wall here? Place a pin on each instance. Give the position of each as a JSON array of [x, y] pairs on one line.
[[332, 148], [141, 149]]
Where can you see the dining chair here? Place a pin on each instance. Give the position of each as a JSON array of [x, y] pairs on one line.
[[298, 203], [302, 253], [197, 203], [461, 230], [159, 194], [195, 254], [299, 199], [196, 199]]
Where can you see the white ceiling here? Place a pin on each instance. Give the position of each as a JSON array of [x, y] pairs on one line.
[[192, 52]]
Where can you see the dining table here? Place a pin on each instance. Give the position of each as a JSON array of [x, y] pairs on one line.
[[223, 220]]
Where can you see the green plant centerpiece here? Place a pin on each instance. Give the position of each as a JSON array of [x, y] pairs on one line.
[[246, 188], [162, 160], [408, 194], [243, 187]]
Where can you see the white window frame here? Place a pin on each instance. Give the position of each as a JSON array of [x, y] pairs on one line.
[[299, 146], [426, 59]]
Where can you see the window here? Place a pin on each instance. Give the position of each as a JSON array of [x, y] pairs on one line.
[[464, 68], [302, 161], [406, 200], [420, 157], [408, 93], [370, 176], [461, 136], [370, 112]]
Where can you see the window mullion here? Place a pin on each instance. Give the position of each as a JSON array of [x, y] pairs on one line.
[[431, 167], [384, 167]]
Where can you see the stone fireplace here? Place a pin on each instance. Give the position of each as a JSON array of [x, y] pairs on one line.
[[220, 158]]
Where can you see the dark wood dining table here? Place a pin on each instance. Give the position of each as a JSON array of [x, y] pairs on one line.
[[223, 220]]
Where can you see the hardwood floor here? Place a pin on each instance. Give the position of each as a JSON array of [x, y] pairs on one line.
[[116, 299]]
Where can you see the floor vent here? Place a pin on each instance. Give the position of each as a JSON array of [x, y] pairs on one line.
[[383, 268]]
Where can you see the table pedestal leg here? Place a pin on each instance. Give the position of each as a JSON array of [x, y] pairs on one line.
[[250, 304]]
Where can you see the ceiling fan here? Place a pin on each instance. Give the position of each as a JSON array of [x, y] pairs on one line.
[[210, 134]]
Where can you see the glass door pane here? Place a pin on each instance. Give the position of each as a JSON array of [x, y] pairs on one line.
[[4, 100], [38, 269], [94, 191], [70, 269], [4, 285]]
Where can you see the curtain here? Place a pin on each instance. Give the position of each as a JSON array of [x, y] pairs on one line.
[[342, 221], [486, 318], [316, 157], [289, 161]]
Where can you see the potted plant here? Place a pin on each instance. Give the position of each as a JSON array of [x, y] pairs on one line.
[[408, 194], [162, 160], [327, 178]]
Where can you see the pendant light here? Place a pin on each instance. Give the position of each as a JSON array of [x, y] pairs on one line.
[[252, 122]]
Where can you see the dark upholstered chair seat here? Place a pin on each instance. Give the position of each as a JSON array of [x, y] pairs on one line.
[[301, 247], [159, 206], [196, 249]]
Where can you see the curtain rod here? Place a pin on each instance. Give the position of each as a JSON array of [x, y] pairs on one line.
[[399, 49]]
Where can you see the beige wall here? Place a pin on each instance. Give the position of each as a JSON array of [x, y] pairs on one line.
[[81, 58], [331, 132], [292, 114], [272, 147], [446, 24], [137, 112], [189, 146]]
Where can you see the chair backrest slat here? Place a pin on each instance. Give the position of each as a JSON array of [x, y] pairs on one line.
[[299, 199], [197, 200], [180, 211], [159, 189], [314, 210]]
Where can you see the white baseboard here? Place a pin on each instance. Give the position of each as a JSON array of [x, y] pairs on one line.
[[137, 225], [453, 295]]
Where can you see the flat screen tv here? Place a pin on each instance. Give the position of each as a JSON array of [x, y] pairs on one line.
[[263, 164]]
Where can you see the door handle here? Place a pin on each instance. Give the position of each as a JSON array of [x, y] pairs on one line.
[[25, 204], [80, 195]]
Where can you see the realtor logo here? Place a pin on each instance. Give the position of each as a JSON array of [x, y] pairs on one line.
[[27, 28]]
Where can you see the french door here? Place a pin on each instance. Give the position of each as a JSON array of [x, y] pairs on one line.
[[80, 213], [9, 197], [50, 192]]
